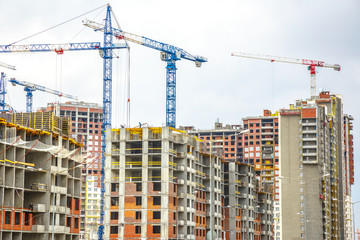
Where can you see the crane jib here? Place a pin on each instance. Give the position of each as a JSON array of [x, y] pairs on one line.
[[59, 48]]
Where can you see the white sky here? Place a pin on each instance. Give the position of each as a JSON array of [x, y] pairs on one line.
[[226, 87]]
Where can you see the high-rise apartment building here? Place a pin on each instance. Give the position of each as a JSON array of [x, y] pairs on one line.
[[85, 126], [162, 183], [158, 186], [315, 168], [40, 183], [256, 143]]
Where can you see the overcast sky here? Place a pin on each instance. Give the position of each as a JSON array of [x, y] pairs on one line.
[[226, 88]]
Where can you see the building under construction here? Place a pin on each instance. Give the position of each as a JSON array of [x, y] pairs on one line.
[[162, 183], [254, 144], [40, 182], [316, 167]]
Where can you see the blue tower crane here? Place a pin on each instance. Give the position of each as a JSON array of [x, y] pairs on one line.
[[170, 54], [29, 88], [106, 49], [2, 91], [3, 85]]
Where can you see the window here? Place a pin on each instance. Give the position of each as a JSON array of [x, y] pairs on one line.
[[68, 222], [114, 201], [157, 200], [157, 186], [156, 229], [138, 215], [138, 187], [138, 229], [17, 218], [77, 203], [68, 202], [114, 229], [114, 187], [76, 224], [7, 217], [156, 215], [138, 201], [27, 219], [114, 215]]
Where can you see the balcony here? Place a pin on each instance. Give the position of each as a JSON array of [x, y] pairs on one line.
[[309, 124], [267, 155], [181, 222], [39, 207], [57, 189], [244, 195], [180, 168], [180, 155], [38, 228], [309, 154]]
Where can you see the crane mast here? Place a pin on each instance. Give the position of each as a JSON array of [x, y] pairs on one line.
[[312, 64], [2, 91], [29, 88], [3, 85]]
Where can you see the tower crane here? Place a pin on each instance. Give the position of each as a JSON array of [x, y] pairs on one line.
[[168, 53], [312, 65], [29, 88], [3, 85], [2, 91]]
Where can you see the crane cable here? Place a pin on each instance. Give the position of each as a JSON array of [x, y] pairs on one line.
[[57, 25], [128, 90], [127, 77]]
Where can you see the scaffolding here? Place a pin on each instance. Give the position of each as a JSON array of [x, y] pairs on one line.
[[43, 121]]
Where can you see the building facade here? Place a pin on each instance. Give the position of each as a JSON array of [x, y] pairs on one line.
[[313, 194], [162, 183], [255, 144], [248, 205]]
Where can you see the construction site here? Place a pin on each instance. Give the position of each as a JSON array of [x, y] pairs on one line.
[[73, 170]]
